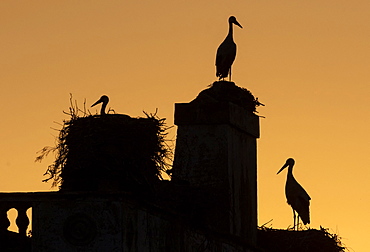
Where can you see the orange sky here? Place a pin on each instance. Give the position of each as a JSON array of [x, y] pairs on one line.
[[308, 61]]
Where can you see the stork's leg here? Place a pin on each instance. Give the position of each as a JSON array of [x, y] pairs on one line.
[[293, 219], [230, 74]]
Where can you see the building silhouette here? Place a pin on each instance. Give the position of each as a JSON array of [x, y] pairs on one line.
[[114, 202]]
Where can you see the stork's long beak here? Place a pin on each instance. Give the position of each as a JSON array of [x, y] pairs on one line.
[[237, 23], [282, 168], [97, 102]]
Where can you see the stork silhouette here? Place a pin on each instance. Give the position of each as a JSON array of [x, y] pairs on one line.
[[296, 196], [226, 52], [104, 99]]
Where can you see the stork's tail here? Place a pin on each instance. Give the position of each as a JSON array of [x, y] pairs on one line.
[[304, 212]]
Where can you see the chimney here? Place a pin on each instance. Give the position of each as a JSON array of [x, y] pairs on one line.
[[216, 154]]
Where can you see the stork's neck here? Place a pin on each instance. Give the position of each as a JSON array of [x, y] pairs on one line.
[[103, 106], [230, 34], [290, 171]]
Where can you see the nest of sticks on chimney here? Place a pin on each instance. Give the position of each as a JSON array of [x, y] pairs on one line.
[[112, 152], [310, 240], [226, 91]]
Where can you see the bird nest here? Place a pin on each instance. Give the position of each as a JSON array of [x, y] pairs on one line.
[[106, 152], [225, 91], [311, 240]]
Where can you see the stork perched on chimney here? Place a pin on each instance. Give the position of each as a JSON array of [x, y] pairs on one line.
[[226, 52]]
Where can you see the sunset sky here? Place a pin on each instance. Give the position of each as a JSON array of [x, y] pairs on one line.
[[307, 61]]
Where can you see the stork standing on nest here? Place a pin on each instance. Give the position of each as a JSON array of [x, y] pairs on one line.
[[104, 99], [226, 52], [296, 196]]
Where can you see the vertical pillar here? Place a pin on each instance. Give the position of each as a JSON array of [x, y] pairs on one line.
[[4, 221], [216, 152], [22, 220]]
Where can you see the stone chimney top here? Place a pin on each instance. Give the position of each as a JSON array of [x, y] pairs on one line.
[[216, 152]]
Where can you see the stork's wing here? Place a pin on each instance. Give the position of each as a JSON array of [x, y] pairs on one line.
[[225, 57], [299, 199], [303, 209]]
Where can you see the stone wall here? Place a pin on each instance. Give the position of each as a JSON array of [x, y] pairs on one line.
[[117, 222]]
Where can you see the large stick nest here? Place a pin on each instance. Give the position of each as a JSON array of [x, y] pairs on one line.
[[112, 150], [226, 91], [311, 240]]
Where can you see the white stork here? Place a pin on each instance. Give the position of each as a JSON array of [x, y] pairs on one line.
[[104, 99], [296, 196], [226, 52]]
